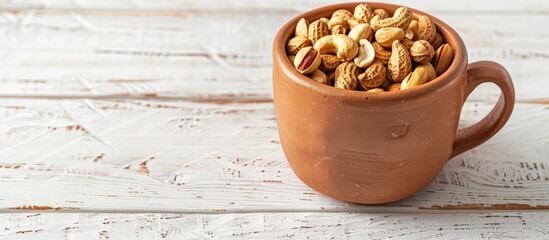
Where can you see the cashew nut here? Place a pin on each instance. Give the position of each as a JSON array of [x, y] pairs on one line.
[[344, 47], [366, 54]]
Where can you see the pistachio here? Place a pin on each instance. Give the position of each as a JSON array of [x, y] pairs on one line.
[[443, 58], [418, 77], [429, 70], [307, 60]]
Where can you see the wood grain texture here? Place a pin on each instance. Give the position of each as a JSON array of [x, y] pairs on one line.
[[526, 6], [210, 148], [501, 225], [70, 50], [189, 157]]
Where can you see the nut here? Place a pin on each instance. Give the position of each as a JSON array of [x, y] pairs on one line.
[[401, 19], [355, 21], [338, 21], [385, 85], [366, 54], [361, 31], [413, 27], [342, 13], [381, 13], [407, 43], [329, 62], [394, 87], [408, 34], [386, 36], [346, 82], [346, 76], [376, 90], [317, 30], [369, 50], [405, 81], [426, 29], [307, 60], [429, 70], [343, 46], [443, 58], [418, 77], [319, 76], [400, 63], [348, 68], [373, 77], [364, 12], [437, 42], [325, 20], [422, 51], [338, 29], [297, 43], [301, 29], [382, 55], [331, 77]]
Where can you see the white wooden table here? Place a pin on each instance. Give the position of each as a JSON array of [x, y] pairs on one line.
[[143, 119]]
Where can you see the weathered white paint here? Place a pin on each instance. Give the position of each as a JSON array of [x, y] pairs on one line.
[[211, 145], [190, 53], [527, 6], [500, 225], [155, 156]]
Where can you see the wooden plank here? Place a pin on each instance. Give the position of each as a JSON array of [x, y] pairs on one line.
[[190, 157], [501, 225], [531, 6], [191, 54]]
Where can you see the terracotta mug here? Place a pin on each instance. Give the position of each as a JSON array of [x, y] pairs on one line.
[[380, 147]]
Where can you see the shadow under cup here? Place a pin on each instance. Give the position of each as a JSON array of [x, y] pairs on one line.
[[371, 147]]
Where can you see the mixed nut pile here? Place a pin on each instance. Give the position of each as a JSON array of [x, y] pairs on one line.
[[369, 50]]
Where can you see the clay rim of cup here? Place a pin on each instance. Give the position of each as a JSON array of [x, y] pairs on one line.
[[450, 36]]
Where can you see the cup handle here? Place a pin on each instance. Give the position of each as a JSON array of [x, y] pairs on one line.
[[477, 73]]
